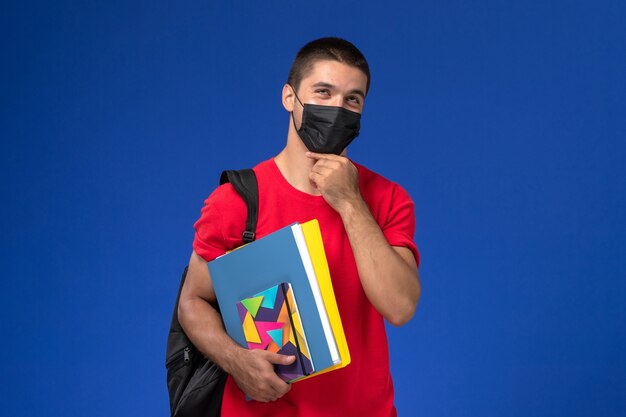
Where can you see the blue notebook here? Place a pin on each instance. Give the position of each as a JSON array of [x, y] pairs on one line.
[[254, 268]]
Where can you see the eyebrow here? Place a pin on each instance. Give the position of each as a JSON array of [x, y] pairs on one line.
[[327, 85]]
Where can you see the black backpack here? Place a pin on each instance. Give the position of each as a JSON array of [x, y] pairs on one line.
[[195, 383]]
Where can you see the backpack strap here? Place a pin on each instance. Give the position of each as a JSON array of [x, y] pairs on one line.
[[185, 365], [244, 181]]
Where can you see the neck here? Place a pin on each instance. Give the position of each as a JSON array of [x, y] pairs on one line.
[[294, 164]]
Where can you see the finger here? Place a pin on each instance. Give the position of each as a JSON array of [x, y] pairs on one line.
[[284, 388], [331, 163], [320, 156], [270, 386], [278, 359], [279, 387], [321, 169], [267, 398], [273, 387], [315, 178]]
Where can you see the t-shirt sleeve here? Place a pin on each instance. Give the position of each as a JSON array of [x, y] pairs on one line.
[[209, 241], [222, 220], [399, 226]]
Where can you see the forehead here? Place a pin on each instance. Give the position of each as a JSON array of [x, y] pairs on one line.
[[338, 74]]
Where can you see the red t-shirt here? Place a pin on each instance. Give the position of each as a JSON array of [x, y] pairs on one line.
[[364, 387]]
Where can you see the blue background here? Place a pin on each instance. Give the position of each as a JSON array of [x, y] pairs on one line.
[[505, 121]]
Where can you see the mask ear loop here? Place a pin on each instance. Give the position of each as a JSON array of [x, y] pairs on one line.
[[293, 118]]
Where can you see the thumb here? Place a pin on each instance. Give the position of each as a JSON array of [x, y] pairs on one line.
[[278, 359]]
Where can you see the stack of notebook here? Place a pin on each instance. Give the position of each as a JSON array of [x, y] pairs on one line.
[[276, 294]]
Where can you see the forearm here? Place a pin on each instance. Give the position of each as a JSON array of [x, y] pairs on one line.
[[252, 370], [204, 327], [390, 282]]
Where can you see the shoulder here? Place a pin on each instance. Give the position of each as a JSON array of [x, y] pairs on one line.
[[384, 197], [369, 177], [226, 198], [223, 216], [372, 183]]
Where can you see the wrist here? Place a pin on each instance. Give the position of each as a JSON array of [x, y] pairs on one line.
[[232, 358], [351, 207]]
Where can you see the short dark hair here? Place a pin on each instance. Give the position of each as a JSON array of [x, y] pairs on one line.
[[333, 49]]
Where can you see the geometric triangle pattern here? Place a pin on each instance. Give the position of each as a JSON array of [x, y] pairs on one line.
[[277, 336], [252, 304], [283, 317], [262, 328], [250, 330], [267, 324], [269, 297]]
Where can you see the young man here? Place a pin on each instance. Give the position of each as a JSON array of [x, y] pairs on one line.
[[367, 224]]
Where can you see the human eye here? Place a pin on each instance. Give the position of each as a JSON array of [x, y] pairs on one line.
[[323, 91], [356, 100]]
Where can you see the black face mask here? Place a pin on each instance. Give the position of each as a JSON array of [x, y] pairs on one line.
[[327, 129]]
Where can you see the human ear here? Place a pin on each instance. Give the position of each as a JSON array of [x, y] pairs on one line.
[[288, 98]]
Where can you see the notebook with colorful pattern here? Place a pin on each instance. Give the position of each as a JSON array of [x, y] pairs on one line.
[[271, 321]]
